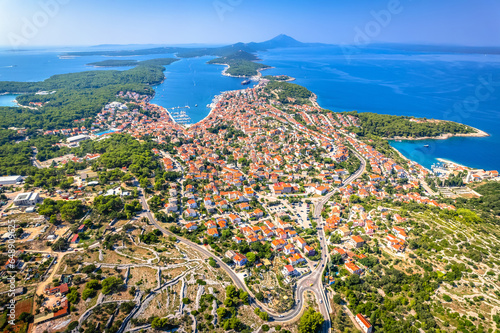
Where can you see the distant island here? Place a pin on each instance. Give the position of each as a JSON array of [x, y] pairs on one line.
[[114, 63], [281, 41], [239, 58], [132, 63]]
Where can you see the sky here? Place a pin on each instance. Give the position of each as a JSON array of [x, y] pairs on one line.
[[29, 23]]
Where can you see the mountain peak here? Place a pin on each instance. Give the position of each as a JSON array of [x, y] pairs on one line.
[[283, 37], [281, 40]]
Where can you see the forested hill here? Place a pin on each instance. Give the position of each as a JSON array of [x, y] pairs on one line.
[[389, 126], [285, 90], [280, 41], [144, 75], [240, 56]]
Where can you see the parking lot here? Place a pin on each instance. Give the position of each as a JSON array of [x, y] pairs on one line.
[[301, 211], [277, 209]]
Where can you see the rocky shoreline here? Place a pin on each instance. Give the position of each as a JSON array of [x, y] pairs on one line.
[[314, 100], [477, 134]]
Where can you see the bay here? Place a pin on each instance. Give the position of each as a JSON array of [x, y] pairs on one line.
[[192, 82], [8, 100]]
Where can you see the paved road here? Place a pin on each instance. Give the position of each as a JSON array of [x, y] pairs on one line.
[[33, 158], [283, 317], [317, 275], [427, 188], [311, 282]]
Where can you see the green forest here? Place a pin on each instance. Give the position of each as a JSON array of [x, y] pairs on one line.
[[286, 89], [120, 151], [15, 151], [240, 64], [389, 126], [277, 77]]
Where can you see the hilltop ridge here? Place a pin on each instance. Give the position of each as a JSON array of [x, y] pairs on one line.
[[279, 41]]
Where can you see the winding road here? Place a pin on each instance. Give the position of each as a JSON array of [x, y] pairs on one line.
[[311, 282]]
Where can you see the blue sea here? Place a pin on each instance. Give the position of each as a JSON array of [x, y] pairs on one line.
[[192, 82], [453, 86], [188, 82], [8, 100]]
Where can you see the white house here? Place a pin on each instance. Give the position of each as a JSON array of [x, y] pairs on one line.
[[27, 199]]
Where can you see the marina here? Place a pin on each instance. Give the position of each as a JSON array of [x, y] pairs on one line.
[[180, 116]]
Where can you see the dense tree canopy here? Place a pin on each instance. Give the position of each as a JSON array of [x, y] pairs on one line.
[[389, 126], [285, 90], [311, 321], [120, 151], [69, 210]]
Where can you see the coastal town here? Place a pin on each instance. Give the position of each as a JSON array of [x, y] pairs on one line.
[[267, 209]]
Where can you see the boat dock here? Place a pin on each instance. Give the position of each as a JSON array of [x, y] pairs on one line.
[[180, 116]]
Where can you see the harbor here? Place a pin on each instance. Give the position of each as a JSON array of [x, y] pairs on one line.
[[179, 115]]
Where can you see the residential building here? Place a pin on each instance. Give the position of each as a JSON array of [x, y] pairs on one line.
[[27, 199], [364, 323], [62, 289], [240, 259], [353, 269], [191, 226], [357, 241], [289, 270], [295, 259]]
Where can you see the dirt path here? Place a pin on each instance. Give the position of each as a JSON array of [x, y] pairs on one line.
[[55, 268]]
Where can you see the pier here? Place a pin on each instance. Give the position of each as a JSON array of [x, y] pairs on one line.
[[180, 116]]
